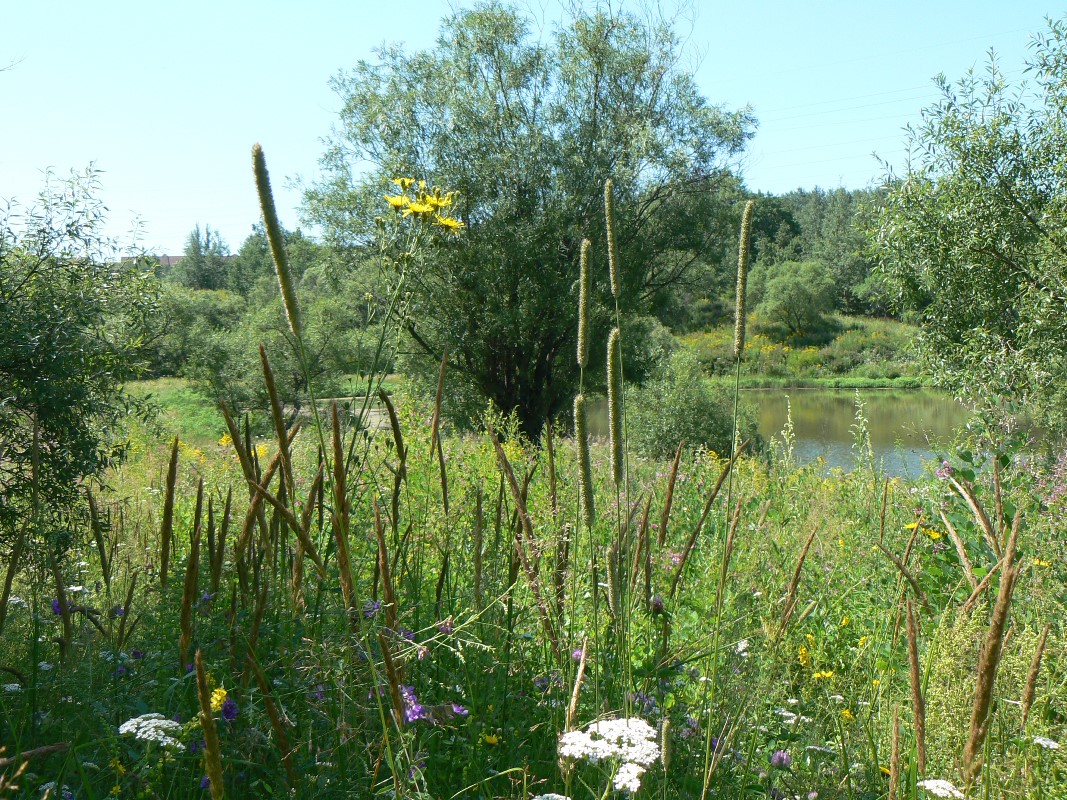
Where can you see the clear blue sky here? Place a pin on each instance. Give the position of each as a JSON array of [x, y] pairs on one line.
[[166, 99]]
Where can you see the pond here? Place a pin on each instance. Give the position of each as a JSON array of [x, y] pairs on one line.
[[906, 427]]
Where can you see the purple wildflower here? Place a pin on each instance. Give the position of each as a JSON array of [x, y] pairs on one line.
[[576, 654], [371, 609], [445, 626], [459, 711], [57, 607], [413, 709], [136, 654], [229, 709], [205, 782], [944, 471], [780, 759]]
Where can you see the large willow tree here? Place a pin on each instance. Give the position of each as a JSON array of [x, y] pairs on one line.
[[974, 235], [526, 130]]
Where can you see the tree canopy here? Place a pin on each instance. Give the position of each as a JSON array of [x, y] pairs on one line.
[[973, 236], [73, 316], [526, 131]]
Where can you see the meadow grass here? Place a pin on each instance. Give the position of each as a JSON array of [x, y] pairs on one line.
[[357, 610], [419, 685]]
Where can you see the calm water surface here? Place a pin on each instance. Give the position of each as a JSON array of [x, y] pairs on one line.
[[906, 427]]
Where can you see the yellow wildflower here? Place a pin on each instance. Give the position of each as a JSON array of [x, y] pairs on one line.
[[1041, 563], [826, 675], [225, 441], [846, 715], [911, 526], [863, 640], [218, 697], [262, 450], [451, 224], [404, 183], [491, 739], [845, 620], [876, 683], [417, 208], [117, 765], [933, 533], [397, 201], [804, 656]]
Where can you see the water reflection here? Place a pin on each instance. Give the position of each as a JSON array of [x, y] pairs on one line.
[[906, 427]]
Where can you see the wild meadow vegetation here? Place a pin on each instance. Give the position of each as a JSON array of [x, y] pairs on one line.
[[289, 573]]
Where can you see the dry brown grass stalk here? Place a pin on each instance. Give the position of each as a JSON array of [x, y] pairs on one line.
[[961, 551], [391, 609], [971, 601], [794, 583], [918, 704], [291, 520], [989, 659], [98, 536], [167, 526], [919, 594], [212, 751], [400, 470], [525, 545], [278, 418], [192, 575], [571, 721], [393, 678], [967, 493], [341, 514], [642, 543], [123, 631], [668, 500], [218, 553], [1031, 677], [703, 516]]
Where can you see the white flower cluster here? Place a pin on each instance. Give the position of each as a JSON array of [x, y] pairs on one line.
[[1047, 743], [153, 728], [941, 788], [551, 796], [630, 741]]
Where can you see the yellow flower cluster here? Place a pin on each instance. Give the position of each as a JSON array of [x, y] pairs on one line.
[[423, 203], [218, 697], [804, 656]]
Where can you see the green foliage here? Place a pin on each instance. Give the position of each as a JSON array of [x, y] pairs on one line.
[[72, 320], [797, 296], [203, 264], [971, 237], [680, 405], [526, 132]]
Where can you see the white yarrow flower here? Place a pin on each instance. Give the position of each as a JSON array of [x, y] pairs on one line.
[[632, 742], [1047, 743], [153, 728], [12, 687], [941, 788]]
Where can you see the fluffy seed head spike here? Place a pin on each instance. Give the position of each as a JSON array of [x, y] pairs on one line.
[[276, 240], [615, 404], [1033, 674], [742, 279], [583, 305], [609, 221], [585, 469]]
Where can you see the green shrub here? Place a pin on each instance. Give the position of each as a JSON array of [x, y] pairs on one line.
[[680, 405]]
